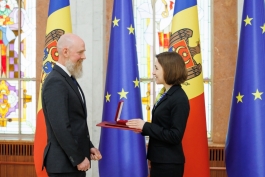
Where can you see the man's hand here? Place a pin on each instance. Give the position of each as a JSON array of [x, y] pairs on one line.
[[84, 166], [95, 154]]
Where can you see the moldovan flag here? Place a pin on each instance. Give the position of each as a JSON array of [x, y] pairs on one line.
[[58, 23], [185, 40], [245, 143], [123, 151]]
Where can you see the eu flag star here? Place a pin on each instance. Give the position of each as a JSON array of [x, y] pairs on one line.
[[115, 22], [257, 94], [108, 97], [239, 98], [123, 94], [136, 83], [131, 30], [248, 21]]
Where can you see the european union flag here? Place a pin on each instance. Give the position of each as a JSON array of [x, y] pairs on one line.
[[123, 151], [245, 144]]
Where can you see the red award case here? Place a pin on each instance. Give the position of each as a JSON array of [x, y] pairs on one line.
[[118, 123]]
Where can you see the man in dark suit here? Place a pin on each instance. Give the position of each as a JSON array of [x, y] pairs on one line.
[[69, 149]]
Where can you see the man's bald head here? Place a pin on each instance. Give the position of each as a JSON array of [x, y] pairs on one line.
[[71, 50], [66, 41]]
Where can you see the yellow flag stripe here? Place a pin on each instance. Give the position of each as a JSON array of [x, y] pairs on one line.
[[194, 86]]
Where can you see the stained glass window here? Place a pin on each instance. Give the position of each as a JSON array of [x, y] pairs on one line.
[[152, 28], [17, 66]]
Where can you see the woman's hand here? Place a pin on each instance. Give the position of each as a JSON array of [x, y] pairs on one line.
[[136, 123]]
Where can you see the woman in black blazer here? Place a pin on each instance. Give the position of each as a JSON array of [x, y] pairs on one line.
[[169, 118]]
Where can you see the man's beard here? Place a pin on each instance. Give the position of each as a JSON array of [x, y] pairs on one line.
[[75, 69]]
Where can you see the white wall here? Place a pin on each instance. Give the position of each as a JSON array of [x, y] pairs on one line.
[[239, 15], [88, 21]]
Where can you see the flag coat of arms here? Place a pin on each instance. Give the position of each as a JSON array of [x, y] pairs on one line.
[[185, 40], [58, 23]]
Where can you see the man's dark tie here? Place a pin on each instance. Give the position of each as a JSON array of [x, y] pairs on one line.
[[74, 80], [78, 87], [80, 90]]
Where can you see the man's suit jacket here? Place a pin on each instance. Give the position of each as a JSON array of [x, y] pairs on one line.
[[169, 118], [66, 121]]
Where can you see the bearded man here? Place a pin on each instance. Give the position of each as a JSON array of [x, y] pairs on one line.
[[69, 150]]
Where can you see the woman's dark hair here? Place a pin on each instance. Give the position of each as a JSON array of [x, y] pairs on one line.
[[174, 67]]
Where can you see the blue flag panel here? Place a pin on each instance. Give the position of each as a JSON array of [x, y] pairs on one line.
[[245, 145], [123, 151], [180, 5], [56, 5]]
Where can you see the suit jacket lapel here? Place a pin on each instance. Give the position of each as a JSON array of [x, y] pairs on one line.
[[160, 101], [170, 92], [83, 95], [72, 84], [75, 88]]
